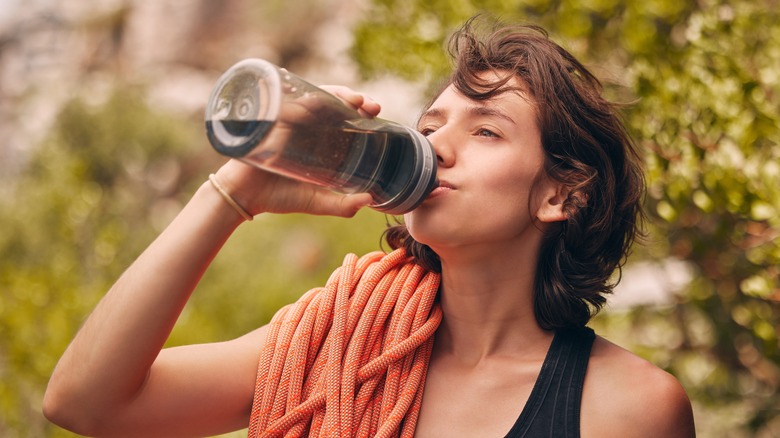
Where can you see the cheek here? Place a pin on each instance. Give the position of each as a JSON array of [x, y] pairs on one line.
[[510, 189], [507, 200], [502, 212]]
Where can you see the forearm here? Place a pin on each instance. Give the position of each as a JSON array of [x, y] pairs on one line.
[[108, 361], [103, 379]]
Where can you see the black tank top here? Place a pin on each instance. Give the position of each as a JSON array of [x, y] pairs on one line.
[[553, 408]]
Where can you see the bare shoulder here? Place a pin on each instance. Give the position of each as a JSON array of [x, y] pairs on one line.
[[627, 396]]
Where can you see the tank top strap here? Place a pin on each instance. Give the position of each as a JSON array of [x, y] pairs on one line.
[[553, 408]]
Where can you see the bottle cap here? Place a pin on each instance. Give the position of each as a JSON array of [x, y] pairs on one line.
[[243, 107]]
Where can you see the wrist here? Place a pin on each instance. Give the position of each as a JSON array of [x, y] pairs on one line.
[[228, 198], [213, 203]]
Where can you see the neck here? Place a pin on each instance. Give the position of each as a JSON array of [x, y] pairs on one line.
[[487, 300]]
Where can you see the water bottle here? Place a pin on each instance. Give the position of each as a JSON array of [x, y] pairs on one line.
[[270, 118]]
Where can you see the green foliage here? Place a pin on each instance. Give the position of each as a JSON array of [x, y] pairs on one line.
[[709, 116], [108, 178], [78, 213], [704, 82], [267, 264]]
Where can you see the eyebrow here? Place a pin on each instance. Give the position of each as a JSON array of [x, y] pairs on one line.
[[486, 111], [482, 111]]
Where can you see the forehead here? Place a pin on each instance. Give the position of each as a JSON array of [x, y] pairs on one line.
[[512, 99]]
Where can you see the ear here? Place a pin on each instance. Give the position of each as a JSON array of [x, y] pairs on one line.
[[551, 203]]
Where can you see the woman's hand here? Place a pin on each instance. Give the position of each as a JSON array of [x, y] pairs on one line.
[[366, 106], [258, 191]]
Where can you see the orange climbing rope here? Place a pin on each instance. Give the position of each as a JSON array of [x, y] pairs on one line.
[[350, 358]]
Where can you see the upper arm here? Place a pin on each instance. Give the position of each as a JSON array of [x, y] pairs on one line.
[[203, 390], [625, 396]]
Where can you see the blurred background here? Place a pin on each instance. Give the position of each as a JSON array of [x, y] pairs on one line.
[[101, 121]]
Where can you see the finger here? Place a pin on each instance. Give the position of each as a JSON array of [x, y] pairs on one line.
[[316, 107], [365, 105], [346, 94], [370, 108]]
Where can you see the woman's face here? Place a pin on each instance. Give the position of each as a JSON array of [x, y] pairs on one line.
[[490, 162]]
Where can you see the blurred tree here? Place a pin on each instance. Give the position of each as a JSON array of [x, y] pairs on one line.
[[704, 84], [108, 179], [76, 217], [704, 80], [112, 172]]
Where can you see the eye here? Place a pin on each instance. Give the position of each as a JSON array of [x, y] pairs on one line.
[[426, 131], [484, 132]]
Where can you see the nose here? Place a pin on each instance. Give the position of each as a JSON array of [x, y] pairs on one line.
[[442, 142]]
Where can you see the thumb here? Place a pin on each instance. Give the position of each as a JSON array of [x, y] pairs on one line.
[[341, 205], [350, 204]]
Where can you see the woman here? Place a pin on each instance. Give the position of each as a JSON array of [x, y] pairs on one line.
[[538, 204]]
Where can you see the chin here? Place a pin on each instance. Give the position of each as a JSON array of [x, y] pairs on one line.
[[432, 237]]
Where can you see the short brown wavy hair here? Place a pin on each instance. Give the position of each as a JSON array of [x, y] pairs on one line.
[[587, 148]]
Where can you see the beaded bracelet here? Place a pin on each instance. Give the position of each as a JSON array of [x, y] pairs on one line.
[[228, 198]]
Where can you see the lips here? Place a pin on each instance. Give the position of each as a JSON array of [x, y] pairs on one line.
[[442, 188], [445, 184]]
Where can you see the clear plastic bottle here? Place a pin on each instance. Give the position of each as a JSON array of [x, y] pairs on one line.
[[270, 118]]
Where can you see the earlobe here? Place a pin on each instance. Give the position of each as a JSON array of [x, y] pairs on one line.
[[551, 207], [551, 213]]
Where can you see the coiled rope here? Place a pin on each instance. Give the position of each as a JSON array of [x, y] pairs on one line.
[[350, 358]]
